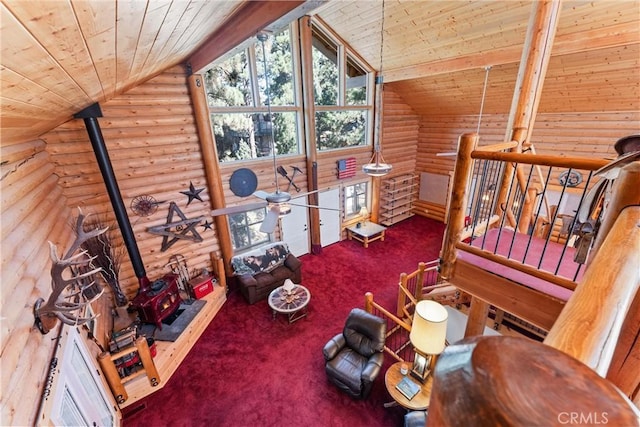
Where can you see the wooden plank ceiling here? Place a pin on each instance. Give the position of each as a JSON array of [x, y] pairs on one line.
[[435, 52], [59, 56]]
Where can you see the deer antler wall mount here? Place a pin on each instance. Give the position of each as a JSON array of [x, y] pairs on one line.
[[69, 295]]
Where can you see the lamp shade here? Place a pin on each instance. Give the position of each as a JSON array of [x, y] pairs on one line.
[[429, 328]]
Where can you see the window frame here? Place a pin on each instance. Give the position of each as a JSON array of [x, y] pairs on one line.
[[247, 226], [367, 193], [344, 55], [257, 107]]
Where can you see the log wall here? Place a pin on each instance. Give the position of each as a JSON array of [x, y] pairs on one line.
[[588, 134], [34, 210], [151, 137]]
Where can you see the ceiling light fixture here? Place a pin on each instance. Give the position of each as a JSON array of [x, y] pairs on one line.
[[377, 166]]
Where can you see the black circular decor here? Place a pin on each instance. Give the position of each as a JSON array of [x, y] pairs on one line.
[[243, 182]]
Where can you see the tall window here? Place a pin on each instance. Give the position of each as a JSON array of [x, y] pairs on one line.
[[236, 92], [341, 88], [245, 229], [355, 198]]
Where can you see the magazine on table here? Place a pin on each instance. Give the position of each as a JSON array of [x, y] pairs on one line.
[[408, 388]]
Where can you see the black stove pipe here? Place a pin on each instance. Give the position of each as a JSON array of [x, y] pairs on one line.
[[90, 116]]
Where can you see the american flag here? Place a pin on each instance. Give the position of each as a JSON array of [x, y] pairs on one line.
[[347, 168]]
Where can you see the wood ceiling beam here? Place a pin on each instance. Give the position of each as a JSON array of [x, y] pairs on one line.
[[624, 34], [246, 22]]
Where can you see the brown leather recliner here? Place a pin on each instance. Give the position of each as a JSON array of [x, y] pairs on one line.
[[354, 357]]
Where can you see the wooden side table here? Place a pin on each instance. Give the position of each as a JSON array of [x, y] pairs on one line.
[[420, 401], [367, 232]]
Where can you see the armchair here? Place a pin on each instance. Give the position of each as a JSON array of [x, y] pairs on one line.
[[353, 358]]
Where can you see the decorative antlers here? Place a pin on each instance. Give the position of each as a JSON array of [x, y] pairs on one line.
[[68, 297]]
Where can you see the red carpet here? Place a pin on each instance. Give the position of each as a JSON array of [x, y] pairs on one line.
[[250, 370]]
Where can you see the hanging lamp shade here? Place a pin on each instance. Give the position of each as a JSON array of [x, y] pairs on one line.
[[377, 165]]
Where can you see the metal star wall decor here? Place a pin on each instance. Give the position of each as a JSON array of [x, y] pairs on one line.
[[184, 229], [207, 225], [193, 193]]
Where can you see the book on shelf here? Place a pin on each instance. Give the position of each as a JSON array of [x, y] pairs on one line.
[[408, 387]]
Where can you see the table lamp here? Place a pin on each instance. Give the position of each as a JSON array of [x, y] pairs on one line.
[[428, 336]]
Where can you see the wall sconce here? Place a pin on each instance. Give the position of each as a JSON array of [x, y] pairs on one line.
[[428, 336]]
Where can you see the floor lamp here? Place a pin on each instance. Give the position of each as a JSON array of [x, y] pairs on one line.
[[428, 336]]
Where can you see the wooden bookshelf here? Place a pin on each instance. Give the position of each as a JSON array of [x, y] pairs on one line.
[[397, 195], [169, 355]]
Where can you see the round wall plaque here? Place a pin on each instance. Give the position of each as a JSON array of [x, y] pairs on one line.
[[243, 182]]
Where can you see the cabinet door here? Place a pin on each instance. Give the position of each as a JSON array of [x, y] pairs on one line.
[[329, 219]]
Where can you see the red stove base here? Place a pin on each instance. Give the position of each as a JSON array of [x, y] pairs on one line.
[[158, 301]]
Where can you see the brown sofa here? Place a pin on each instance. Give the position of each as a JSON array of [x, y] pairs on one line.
[[262, 270]]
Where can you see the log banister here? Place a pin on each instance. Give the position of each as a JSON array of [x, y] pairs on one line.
[[541, 160], [589, 326]]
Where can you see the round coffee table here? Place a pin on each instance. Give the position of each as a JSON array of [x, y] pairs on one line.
[[293, 303]]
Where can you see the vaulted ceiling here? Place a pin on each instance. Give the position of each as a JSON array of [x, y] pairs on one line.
[[59, 56]]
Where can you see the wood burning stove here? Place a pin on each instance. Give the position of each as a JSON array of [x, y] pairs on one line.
[[158, 301], [155, 301]]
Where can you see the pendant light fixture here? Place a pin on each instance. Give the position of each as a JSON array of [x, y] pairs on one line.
[[377, 166]]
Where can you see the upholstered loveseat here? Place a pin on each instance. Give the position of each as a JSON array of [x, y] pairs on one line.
[[262, 270]]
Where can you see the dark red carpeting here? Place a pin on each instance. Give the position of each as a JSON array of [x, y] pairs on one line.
[[248, 369]]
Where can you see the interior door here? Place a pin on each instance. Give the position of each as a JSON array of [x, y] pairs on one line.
[[295, 228], [329, 219]]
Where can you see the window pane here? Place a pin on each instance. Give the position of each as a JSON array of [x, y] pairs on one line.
[[228, 84], [325, 71], [241, 136], [245, 229], [355, 197], [337, 129], [279, 69], [356, 83]]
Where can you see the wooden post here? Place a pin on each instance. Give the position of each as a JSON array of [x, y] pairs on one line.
[[624, 371], [113, 377], [402, 299], [625, 193], [147, 361], [455, 220], [536, 53], [589, 325], [478, 313], [211, 165], [503, 205], [306, 39], [368, 302], [420, 280], [526, 216]]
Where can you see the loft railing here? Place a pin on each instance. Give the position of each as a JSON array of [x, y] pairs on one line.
[[591, 322], [397, 343]]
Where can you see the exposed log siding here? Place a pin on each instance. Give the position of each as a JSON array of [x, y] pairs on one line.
[[590, 134], [33, 211], [153, 144]]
